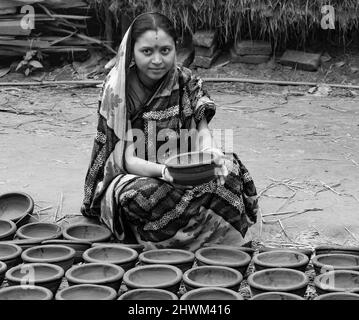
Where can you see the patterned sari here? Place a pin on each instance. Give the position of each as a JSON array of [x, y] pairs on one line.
[[150, 210]]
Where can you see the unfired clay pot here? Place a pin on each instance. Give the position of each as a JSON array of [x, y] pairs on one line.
[[121, 256], [335, 261], [55, 254], [212, 276], [328, 249], [158, 276], [277, 296], [7, 230], [338, 296], [25, 243], [148, 294], [3, 269], [135, 246], [79, 246], [337, 281], [38, 274], [211, 293], [16, 206], [278, 280], [25, 292], [308, 252], [10, 254], [87, 292], [87, 232], [39, 231], [181, 259], [105, 274]]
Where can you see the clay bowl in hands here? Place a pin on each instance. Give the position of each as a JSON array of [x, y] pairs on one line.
[[39, 231], [211, 293], [278, 280], [87, 232], [16, 206], [338, 296], [281, 259], [38, 274], [157, 276], [217, 256], [3, 268], [25, 292], [308, 252], [7, 230], [10, 254], [328, 249], [55, 254], [277, 296], [337, 281], [148, 294], [135, 246], [121, 256], [105, 274], [212, 276], [79, 246], [335, 261], [192, 168], [179, 258], [87, 292]]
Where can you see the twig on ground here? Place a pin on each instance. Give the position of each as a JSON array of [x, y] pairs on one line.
[[353, 236], [284, 232], [325, 189], [330, 188], [287, 201], [59, 207]]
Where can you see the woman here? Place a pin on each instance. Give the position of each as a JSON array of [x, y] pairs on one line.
[[127, 185]]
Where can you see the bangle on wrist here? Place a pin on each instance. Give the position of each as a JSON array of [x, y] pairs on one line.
[[163, 171]]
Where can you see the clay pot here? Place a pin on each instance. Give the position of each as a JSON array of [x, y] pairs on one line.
[[55, 254], [79, 246], [211, 293], [192, 168], [10, 254], [121, 256], [87, 292], [307, 252], [219, 256], [181, 259], [335, 261], [281, 259], [212, 276], [337, 281], [25, 292], [326, 249], [16, 206], [248, 250], [7, 230], [105, 274], [278, 280], [135, 246], [87, 232], [157, 276], [148, 294], [3, 268], [338, 296], [38, 274], [25, 243], [39, 231], [277, 296]]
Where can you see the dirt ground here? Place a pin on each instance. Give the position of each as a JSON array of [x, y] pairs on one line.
[[301, 148]]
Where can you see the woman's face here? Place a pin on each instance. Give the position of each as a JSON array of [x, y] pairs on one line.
[[154, 53]]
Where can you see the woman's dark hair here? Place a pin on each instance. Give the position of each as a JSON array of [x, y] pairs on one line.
[[152, 21]]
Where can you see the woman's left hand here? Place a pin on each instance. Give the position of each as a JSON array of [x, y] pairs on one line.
[[221, 171]]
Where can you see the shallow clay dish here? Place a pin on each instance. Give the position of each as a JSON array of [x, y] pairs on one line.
[[248, 250], [55, 254], [337, 281], [87, 232], [158, 276], [16, 206], [278, 280], [121, 256], [39, 231], [135, 246], [212, 276], [25, 292], [338, 296], [25, 243], [7, 230], [219, 256], [105, 274], [335, 261], [3, 268], [87, 292], [281, 259], [179, 258], [192, 168], [277, 296], [308, 252], [148, 294], [211, 293], [39, 274], [10, 254], [79, 246], [324, 249]]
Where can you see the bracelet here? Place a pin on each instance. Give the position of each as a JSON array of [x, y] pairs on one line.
[[163, 171]]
